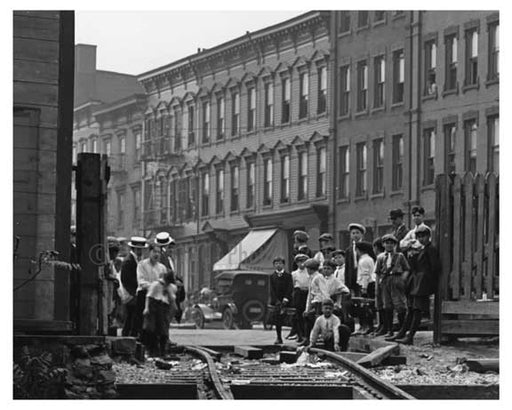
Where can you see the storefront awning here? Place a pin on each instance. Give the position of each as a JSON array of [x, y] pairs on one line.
[[250, 244]]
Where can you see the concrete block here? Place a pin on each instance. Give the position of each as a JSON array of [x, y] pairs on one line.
[[248, 352], [287, 357]]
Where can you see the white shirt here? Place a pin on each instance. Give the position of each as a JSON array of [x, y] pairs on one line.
[[156, 291], [410, 238], [300, 279], [339, 273], [365, 271], [327, 327], [148, 273], [334, 286], [317, 289]]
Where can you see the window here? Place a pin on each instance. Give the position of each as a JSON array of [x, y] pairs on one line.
[[205, 192], [122, 152], [73, 158], [267, 186], [380, 80], [235, 113], [161, 125], [362, 86], [235, 186], [107, 145], [494, 51], [251, 181], [206, 122], [138, 144], [344, 21], [344, 176], [471, 57], [285, 110], [345, 90], [251, 110], [361, 162], [221, 124], [493, 124], [192, 195], [177, 131], [398, 76], [136, 206], [430, 68], [322, 90], [451, 62], [362, 18], [191, 135], [147, 128], [398, 161], [285, 179], [470, 134], [94, 146], [219, 207], [120, 209], [321, 162], [269, 105], [173, 193], [379, 16], [304, 95], [429, 154], [182, 198], [449, 148], [83, 147], [378, 166], [303, 175]]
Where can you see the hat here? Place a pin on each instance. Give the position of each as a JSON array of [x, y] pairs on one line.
[[312, 264], [327, 302], [389, 237], [365, 247], [396, 213], [277, 259], [138, 242], [418, 210], [163, 239], [338, 252], [301, 236], [122, 239], [330, 263], [357, 226], [423, 230], [300, 257], [113, 243], [325, 237]]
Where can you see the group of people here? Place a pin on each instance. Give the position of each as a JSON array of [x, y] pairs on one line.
[[148, 290], [397, 273]]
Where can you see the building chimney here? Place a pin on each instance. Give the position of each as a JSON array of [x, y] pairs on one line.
[[85, 73]]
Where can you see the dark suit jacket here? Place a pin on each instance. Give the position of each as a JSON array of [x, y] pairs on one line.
[[426, 269], [400, 232], [164, 260], [280, 288], [129, 274], [350, 268]]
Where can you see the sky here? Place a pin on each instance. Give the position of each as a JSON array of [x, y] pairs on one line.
[[133, 42]]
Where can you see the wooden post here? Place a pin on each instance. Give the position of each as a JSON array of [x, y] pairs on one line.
[[479, 252], [492, 256], [457, 237], [90, 240]]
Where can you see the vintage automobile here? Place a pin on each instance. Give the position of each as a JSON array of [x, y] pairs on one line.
[[240, 299]]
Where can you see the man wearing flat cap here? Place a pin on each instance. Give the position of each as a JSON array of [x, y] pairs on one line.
[[130, 284], [356, 232], [399, 229], [326, 247], [410, 241], [300, 245]]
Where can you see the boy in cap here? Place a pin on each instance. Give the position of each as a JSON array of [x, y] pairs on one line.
[[391, 270], [399, 229], [281, 288], [357, 232], [300, 294], [326, 247], [335, 335], [418, 216], [365, 284], [425, 270], [300, 245], [338, 257]]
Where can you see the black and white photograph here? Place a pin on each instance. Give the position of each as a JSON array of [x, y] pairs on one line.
[[229, 204]]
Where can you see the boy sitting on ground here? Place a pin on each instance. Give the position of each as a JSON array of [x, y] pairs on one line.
[[334, 334]]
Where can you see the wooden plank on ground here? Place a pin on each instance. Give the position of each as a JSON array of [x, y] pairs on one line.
[[388, 361], [479, 252], [367, 344], [470, 327], [483, 365], [457, 237], [377, 356], [249, 352], [469, 307], [467, 266]]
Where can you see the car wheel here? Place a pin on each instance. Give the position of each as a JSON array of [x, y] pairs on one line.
[[227, 319], [198, 318]]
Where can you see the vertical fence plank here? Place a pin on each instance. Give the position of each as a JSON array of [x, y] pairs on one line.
[[479, 251], [492, 192], [467, 265], [457, 220]]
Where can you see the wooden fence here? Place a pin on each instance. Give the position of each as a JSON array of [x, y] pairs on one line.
[[467, 236]]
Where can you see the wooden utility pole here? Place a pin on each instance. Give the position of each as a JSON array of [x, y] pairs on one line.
[[91, 181]]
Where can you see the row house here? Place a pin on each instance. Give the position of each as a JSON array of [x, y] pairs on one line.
[[236, 139]]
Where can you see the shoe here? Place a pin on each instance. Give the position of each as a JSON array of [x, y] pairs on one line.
[[292, 337], [368, 331], [399, 335], [278, 341], [381, 332], [407, 340], [389, 334]]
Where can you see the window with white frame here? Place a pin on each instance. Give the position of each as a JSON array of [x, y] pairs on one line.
[[344, 173], [251, 183], [94, 144], [285, 178], [267, 181], [235, 187], [107, 147], [398, 162], [304, 95], [398, 76], [430, 67], [450, 131], [429, 155], [494, 51], [362, 86], [451, 62], [345, 90], [362, 168], [303, 175], [205, 193], [471, 57], [122, 152], [221, 123], [269, 104], [83, 146], [206, 121], [251, 109], [380, 80], [322, 90], [220, 191], [285, 109], [191, 125], [378, 166], [138, 144], [471, 137], [321, 172], [493, 124], [235, 113]]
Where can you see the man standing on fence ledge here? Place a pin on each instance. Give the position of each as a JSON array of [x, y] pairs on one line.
[[425, 270], [418, 215]]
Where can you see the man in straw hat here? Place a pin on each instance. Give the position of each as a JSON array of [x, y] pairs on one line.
[[166, 244], [129, 281]]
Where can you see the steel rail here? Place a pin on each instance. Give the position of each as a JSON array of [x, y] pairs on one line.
[[221, 391], [383, 387]]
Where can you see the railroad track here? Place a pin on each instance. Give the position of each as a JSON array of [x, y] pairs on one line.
[[225, 376]]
